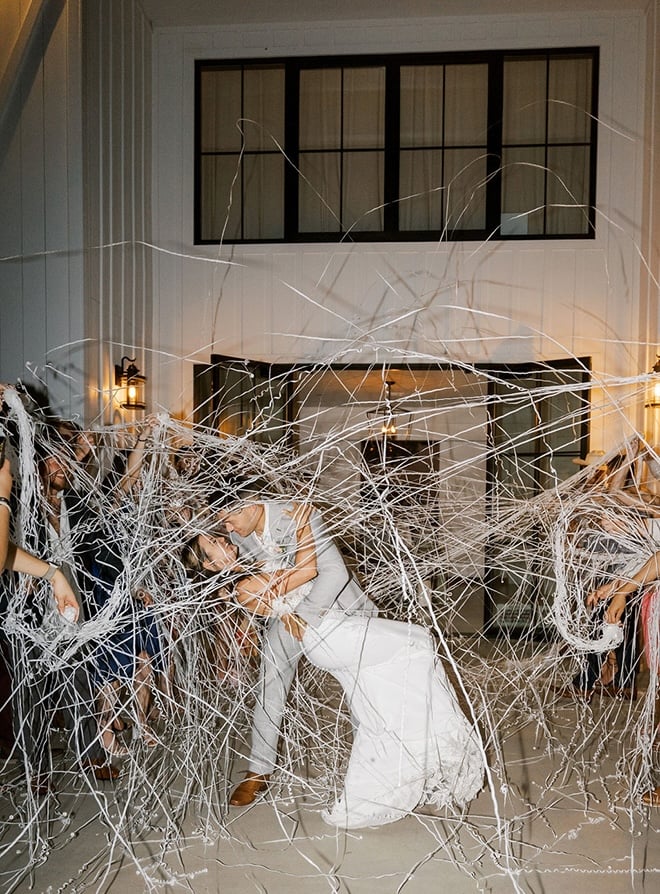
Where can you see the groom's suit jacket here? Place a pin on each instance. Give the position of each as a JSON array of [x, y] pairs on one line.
[[332, 588]]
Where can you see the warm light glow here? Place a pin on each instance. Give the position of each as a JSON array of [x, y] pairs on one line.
[[388, 427], [654, 386], [127, 376]]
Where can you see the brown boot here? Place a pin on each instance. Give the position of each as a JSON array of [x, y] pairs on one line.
[[246, 791], [652, 798]]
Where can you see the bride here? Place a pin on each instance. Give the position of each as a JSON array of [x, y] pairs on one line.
[[412, 744]]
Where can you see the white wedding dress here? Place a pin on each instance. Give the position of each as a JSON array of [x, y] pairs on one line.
[[412, 744]]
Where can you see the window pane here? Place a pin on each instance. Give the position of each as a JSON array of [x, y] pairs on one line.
[[362, 191], [218, 219], [319, 192], [263, 196], [554, 469], [568, 190], [421, 105], [564, 417], [524, 101], [465, 189], [263, 104], [364, 108], [569, 93], [513, 426], [320, 108], [220, 110], [420, 177], [466, 104], [523, 191], [515, 476]]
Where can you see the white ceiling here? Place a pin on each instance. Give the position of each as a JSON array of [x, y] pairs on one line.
[[170, 13]]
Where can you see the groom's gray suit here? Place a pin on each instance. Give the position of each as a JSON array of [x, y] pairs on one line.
[[332, 588]]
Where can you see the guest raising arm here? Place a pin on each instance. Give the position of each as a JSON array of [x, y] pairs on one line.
[[618, 590]]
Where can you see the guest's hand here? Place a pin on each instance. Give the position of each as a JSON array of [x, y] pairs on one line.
[[615, 609], [67, 604], [146, 428], [605, 591], [294, 625], [83, 446]]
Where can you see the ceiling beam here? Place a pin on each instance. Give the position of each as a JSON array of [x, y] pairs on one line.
[[26, 56]]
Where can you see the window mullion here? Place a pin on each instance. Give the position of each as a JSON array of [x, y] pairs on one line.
[[342, 166], [291, 151], [546, 159], [594, 141], [242, 157], [392, 148], [494, 144]]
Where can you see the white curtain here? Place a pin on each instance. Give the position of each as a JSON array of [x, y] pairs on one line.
[[544, 184], [442, 165], [242, 167], [342, 138]]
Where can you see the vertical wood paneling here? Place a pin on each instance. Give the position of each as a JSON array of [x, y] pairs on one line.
[[37, 175], [559, 313], [117, 188], [40, 294], [649, 317], [525, 287]]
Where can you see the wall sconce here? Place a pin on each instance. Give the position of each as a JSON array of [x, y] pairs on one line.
[[127, 376], [654, 390]]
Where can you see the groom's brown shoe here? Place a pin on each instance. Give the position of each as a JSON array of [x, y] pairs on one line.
[[246, 791]]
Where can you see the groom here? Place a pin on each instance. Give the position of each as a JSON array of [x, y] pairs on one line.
[[264, 530]]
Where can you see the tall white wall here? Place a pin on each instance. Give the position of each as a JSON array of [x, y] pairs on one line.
[[496, 301], [75, 182], [41, 231], [117, 187], [650, 278]]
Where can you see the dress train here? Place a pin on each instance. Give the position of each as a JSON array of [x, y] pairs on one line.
[[412, 743]]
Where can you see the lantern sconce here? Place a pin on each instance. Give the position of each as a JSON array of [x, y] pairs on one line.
[[127, 376], [655, 385], [388, 410]]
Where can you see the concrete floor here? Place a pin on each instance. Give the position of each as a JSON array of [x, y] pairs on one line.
[[556, 824]]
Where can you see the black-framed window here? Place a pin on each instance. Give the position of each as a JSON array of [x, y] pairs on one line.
[[395, 148], [538, 425]]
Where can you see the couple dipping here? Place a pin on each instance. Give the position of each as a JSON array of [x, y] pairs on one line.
[[412, 744]]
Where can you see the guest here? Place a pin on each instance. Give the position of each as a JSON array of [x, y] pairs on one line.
[[625, 510], [36, 696], [617, 592]]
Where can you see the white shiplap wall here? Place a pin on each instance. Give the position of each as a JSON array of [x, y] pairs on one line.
[[41, 294], [497, 301], [75, 179], [117, 77]]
